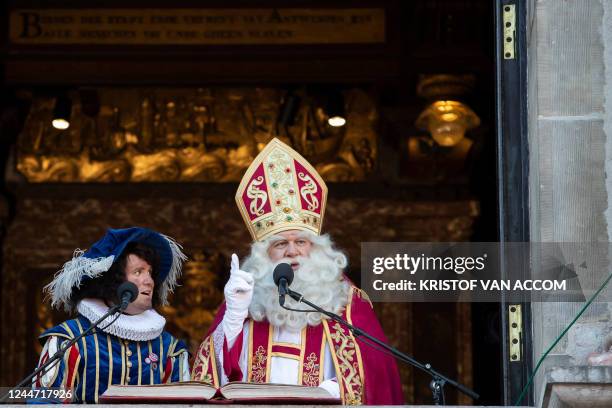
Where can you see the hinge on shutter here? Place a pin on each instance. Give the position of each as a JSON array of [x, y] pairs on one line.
[[509, 18], [515, 321]]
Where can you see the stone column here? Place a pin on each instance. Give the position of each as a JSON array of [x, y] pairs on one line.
[[569, 75]]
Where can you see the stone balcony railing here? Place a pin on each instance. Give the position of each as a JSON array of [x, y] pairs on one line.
[[577, 387]]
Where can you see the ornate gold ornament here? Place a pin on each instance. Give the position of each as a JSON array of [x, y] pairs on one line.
[[182, 135], [347, 363], [259, 366], [193, 306], [311, 371], [203, 363]]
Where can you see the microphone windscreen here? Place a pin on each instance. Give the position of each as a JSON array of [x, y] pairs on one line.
[[127, 287], [283, 270]]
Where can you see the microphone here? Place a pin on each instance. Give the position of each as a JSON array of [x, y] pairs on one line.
[[283, 276], [127, 292]]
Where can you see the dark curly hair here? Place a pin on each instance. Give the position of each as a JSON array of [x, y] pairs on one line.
[[105, 286]]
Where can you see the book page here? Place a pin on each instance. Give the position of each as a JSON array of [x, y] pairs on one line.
[[187, 389], [239, 390]]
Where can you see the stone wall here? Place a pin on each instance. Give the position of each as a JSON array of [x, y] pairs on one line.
[[569, 81]]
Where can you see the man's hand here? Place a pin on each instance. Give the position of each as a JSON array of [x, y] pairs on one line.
[[238, 293], [239, 288]]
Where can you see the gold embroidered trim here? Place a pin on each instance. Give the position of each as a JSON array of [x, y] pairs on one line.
[[201, 367], [284, 344], [303, 338], [84, 362], [349, 318], [250, 352], [259, 365], [151, 365], [285, 355], [322, 357], [311, 371], [97, 384], [347, 364], [213, 362], [269, 353], [139, 363], [361, 294]]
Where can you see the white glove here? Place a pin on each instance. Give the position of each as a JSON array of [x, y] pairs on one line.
[[238, 293], [332, 387]]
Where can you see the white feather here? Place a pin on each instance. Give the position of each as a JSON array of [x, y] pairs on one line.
[[178, 257], [71, 275]]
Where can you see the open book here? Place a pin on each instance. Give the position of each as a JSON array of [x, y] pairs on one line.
[[236, 391]]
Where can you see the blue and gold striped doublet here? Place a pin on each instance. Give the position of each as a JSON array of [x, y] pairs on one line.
[[104, 359]]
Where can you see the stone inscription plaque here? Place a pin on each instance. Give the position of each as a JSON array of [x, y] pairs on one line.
[[197, 26]]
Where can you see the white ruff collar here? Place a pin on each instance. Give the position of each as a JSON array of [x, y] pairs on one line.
[[142, 327]]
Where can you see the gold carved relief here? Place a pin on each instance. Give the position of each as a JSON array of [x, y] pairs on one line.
[[182, 135], [192, 308]]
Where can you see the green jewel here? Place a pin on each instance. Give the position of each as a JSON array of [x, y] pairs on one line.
[[289, 218], [274, 185]]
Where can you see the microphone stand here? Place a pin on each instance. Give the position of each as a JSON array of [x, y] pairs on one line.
[[438, 380], [60, 353]]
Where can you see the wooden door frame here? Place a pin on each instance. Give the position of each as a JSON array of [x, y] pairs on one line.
[[513, 183]]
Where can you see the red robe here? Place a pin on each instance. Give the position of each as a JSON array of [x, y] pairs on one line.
[[365, 375]]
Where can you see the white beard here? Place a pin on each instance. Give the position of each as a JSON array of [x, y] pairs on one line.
[[319, 279]]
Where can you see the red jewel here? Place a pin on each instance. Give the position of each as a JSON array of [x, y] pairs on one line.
[[278, 202], [288, 170], [291, 191]]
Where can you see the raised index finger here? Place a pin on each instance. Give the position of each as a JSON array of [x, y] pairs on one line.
[[235, 265]]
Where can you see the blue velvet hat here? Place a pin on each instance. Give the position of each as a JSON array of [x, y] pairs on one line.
[[101, 256]]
